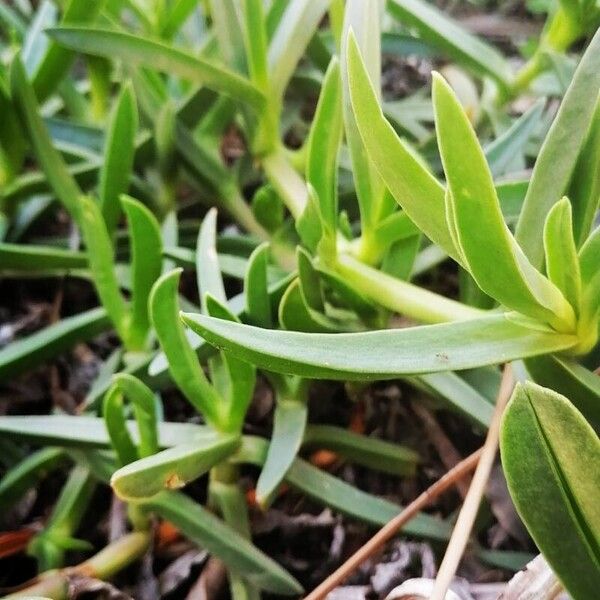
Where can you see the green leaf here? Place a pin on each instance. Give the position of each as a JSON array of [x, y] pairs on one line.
[[570, 379], [57, 61], [222, 541], [480, 229], [172, 468], [382, 354], [146, 265], [61, 181], [144, 410], [562, 262], [119, 149], [337, 494], [142, 52], [459, 45], [102, 265], [501, 152], [412, 185], [90, 432], [258, 306], [324, 143], [183, 364], [294, 31], [296, 315], [310, 281], [289, 422], [547, 449], [363, 450], [26, 474], [69, 509], [30, 259], [362, 17], [584, 189], [255, 38], [29, 352], [208, 271], [558, 156]]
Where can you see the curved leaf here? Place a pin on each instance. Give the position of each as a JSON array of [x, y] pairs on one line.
[[139, 51], [547, 449], [382, 354]]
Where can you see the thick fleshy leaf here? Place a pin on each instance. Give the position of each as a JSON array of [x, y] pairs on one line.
[[562, 262], [25, 258], [138, 51], [289, 422], [288, 42], [547, 449], [31, 351], [339, 495], [383, 354], [146, 266], [90, 432], [118, 156], [570, 379], [559, 154], [258, 306], [418, 192], [209, 532], [183, 364], [479, 226], [61, 181], [171, 468], [102, 265], [323, 147], [208, 272], [443, 33]]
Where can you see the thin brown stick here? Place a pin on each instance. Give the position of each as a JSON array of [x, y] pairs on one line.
[[468, 512], [448, 480]]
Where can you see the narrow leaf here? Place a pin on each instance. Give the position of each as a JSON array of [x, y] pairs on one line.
[[382, 354]]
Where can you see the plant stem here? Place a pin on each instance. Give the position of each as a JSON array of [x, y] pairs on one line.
[[286, 181], [400, 296], [104, 565], [468, 513], [242, 213], [455, 474]]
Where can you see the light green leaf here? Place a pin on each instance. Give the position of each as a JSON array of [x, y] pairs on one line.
[[310, 281], [102, 265], [209, 532], [258, 305], [57, 61], [119, 148], [562, 262], [294, 31], [172, 468], [324, 143], [208, 272], [183, 364], [289, 422], [412, 185], [480, 229], [61, 181], [382, 354], [547, 449], [441, 32], [138, 51], [146, 266], [558, 156]]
